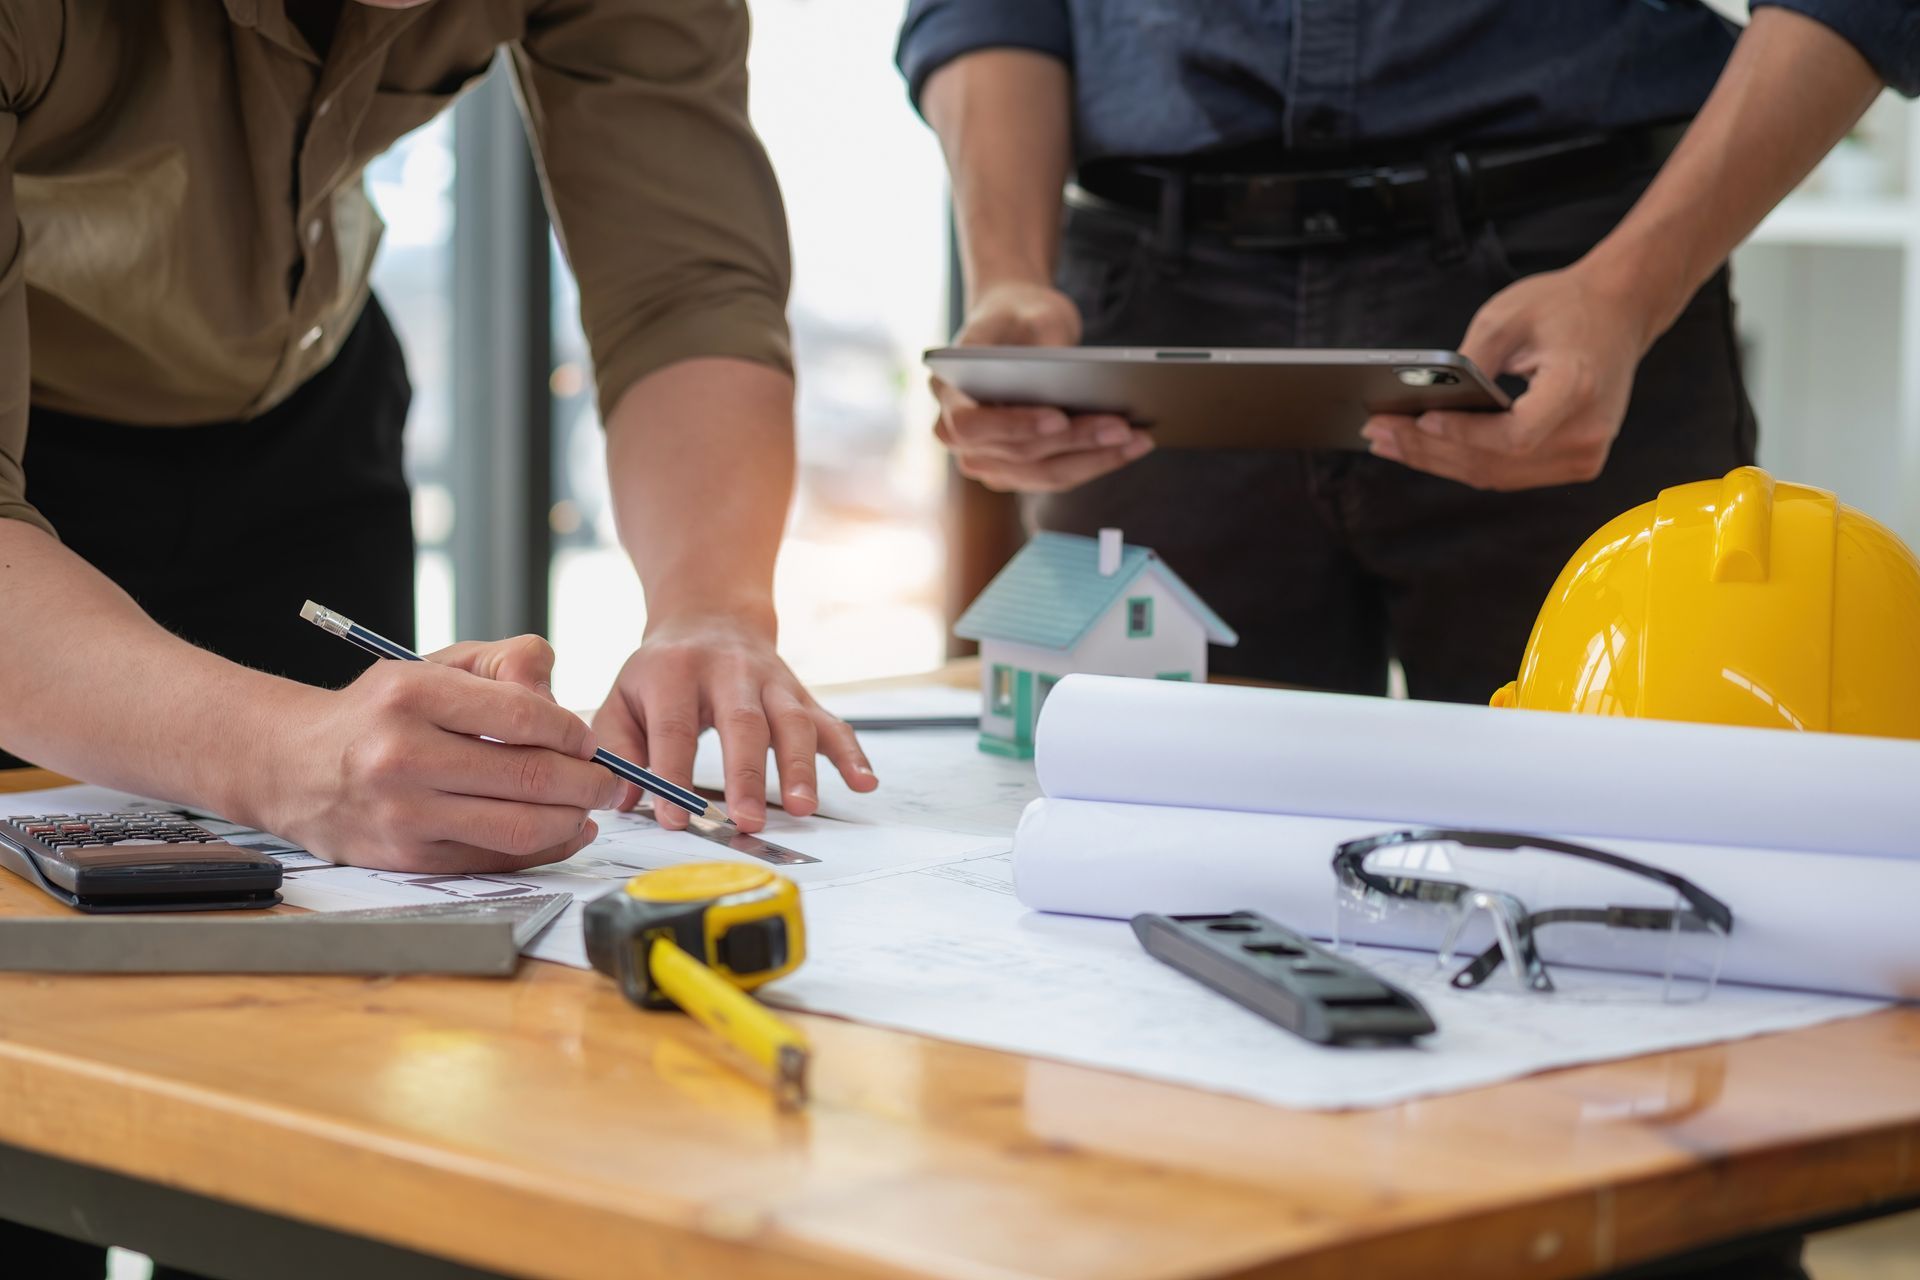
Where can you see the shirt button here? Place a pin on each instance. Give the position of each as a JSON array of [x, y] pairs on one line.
[[310, 337], [313, 232], [322, 107]]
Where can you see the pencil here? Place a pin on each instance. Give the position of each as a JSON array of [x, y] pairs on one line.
[[380, 647]]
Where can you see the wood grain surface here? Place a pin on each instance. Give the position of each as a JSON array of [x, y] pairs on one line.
[[541, 1126]]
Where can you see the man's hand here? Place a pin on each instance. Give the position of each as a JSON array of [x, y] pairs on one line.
[[1578, 344], [394, 770], [724, 672], [1579, 334], [1037, 449]]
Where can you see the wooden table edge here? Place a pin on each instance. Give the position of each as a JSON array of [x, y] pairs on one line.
[[1854, 1173]]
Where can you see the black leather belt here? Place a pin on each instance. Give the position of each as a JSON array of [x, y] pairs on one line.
[[1246, 208]]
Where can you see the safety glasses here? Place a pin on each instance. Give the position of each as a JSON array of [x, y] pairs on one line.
[[1468, 892]]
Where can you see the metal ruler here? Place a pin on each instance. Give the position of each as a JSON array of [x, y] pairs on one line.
[[725, 833], [479, 938]]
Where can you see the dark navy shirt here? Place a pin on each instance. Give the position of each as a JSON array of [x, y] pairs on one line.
[[1175, 77]]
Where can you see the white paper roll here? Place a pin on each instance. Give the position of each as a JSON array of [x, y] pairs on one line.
[[1816, 922], [1338, 756]]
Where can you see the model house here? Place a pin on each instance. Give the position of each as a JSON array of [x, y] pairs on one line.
[[1069, 604]]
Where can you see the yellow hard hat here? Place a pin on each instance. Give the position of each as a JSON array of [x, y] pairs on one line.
[[1734, 601]]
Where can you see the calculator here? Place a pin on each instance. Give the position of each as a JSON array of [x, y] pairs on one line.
[[137, 861]]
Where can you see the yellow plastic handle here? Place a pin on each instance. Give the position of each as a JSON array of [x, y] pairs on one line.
[[1743, 526]]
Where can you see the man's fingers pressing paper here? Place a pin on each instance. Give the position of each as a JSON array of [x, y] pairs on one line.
[[745, 737], [841, 745], [796, 740], [671, 720]]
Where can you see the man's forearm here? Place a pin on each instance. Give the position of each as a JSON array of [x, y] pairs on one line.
[[93, 687], [700, 460], [1004, 117], [1790, 92]]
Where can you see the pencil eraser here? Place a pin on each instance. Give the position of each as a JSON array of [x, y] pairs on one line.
[[310, 611]]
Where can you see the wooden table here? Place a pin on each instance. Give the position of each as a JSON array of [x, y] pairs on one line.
[[541, 1127]]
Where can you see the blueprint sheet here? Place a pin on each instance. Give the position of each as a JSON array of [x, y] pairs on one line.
[[629, 844], [947, 951], [918, 929], [928, 777]]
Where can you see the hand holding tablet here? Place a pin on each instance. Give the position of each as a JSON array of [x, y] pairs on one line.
[[1029, 447], [1222, 398]]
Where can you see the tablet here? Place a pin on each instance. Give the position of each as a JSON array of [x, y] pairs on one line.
[[1224, 397]]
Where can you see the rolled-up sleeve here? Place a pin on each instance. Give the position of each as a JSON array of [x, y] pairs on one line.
[[1886, 32], [665, 201], [935, 32], [29, 40]]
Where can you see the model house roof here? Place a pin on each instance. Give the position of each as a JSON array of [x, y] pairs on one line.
[[1053, 591]]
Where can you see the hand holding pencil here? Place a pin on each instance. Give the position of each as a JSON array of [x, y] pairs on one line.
[[397, 772], [462, 761]]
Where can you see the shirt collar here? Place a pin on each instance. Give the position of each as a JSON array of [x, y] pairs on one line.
[[269, 18]]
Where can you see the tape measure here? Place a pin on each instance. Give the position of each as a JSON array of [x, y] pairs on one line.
[[698, 937]]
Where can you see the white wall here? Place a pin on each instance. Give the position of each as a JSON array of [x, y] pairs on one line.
[[1821, 331], [1829, 315]]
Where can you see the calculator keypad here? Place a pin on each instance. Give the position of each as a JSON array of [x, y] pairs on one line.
[[99, 830]]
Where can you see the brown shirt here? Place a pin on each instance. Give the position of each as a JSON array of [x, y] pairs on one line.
[[184, 232]]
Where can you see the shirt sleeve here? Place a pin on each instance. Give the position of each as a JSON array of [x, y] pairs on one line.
[[26, 54], [664, 199], [935, 32], [1886, 32]]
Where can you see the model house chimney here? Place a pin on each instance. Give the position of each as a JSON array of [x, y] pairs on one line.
[[1109, 552]]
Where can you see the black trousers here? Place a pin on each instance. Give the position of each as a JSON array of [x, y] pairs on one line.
[[1330, 562], [220, 532]]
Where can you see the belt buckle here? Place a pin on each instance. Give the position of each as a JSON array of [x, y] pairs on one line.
[[1281, 211], [1332, 211], [1284, 211], [1263, 205], [1370, 199]]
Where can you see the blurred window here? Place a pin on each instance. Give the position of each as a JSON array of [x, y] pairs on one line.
[[412, 186], [859, 581]]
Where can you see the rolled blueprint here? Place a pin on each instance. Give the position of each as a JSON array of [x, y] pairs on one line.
[[1337, 756], [1812, 921]]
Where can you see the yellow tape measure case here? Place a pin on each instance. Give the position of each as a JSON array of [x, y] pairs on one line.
[[743, 922]]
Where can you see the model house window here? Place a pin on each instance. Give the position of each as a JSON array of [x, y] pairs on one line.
[[1139, 617], [1045, 687], [1002, 690]]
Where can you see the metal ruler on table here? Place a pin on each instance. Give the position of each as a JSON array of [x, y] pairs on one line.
[[477, 938]]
